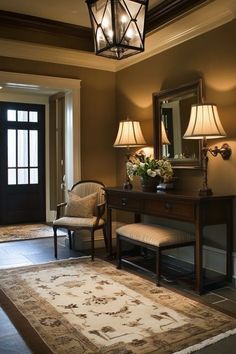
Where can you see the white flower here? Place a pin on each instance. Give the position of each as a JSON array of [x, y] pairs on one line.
[[151, 173], [140, 165]]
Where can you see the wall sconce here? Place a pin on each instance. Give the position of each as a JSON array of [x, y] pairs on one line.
[[129, 135], [118, 26], [205, 124]]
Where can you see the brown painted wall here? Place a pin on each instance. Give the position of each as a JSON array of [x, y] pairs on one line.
[[210, 56]]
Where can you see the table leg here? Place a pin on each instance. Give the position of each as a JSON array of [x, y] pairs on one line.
[[109, 231], [198, 260]]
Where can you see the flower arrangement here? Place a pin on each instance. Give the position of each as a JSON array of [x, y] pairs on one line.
[[146, 166]]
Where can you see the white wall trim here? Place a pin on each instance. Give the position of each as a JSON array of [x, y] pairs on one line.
[[62, 84], [31, 51]]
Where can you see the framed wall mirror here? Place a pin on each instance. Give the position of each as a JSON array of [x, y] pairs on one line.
[[171, 113]]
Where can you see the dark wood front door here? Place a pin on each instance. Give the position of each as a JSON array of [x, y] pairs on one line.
[[22, 163]]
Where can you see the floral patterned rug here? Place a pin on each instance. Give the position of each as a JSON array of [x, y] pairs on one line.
[[79, 306], [26, 232]]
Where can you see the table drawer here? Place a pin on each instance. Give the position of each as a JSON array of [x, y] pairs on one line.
[[182, 210], [122, 202]]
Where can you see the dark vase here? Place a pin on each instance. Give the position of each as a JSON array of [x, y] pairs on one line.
[[149, 184]]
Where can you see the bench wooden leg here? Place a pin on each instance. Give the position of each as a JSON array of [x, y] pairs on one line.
[[70, 240], [118, 251], [158, 266], [55, 241]]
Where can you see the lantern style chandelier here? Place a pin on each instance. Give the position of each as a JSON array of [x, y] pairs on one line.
[[118, 26]]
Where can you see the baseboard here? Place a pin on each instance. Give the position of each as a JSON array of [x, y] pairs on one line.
[[51, 215], [213, 259]]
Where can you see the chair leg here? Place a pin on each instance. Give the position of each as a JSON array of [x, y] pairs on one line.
[[55, 241], [158, 266], [70, 241], [118, 251], [92, 245], [105, 237]]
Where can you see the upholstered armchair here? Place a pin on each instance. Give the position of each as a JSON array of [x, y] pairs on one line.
[[84, 210]]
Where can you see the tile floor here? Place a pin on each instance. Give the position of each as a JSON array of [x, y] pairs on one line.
[[21, 253]]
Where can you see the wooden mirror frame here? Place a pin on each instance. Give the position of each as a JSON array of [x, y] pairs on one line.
[[164, 95]]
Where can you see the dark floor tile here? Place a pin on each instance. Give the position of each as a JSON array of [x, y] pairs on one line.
[[13, 344], [17, 261], [227, 305], [212, 298], [48, 256], [6, 327], [225, 346], [228, 292]]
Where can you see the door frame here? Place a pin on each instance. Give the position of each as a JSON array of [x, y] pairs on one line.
[[71, 87]]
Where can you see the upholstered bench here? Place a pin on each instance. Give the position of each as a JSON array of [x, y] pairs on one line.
[[153, 237]]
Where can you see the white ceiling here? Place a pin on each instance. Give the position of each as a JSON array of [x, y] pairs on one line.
[[69, 11]]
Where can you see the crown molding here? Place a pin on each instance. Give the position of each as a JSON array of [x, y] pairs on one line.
[[36, 52], [203, 19], [170, 10]]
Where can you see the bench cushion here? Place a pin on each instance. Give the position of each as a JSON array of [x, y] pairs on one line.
[[156, 235]]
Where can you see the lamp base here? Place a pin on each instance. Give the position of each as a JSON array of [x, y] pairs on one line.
[[127, 185], [205, 192]]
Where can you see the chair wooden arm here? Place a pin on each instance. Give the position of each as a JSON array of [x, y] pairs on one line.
[[59, 209], [100, 211]]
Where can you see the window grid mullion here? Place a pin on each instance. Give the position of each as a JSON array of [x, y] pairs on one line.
[[17, 155]]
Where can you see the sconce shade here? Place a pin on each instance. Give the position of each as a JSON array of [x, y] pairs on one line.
[[164, 139], [118, 26], [129, 134], [204, 122]]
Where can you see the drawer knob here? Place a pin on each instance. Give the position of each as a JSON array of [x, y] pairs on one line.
[[124, 201], [168, 206]]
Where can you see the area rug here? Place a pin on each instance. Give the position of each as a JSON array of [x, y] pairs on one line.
[[79, 306], [26, 232]]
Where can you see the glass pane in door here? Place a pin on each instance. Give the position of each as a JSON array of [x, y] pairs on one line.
[[33, 117], [34, 176], [11, 176], [11, 147], [22, 116], [11, 115], [22, 145], [33, 141], [23, 176]]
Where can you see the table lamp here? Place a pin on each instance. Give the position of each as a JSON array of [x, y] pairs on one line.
[[204, 123], [129, 135]]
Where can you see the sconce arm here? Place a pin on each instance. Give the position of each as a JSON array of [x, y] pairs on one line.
[[225, 151]]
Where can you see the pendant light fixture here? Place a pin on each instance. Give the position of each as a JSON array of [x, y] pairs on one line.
[[118, 26]]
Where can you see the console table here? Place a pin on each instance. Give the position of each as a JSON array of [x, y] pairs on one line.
[[201, 211]]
